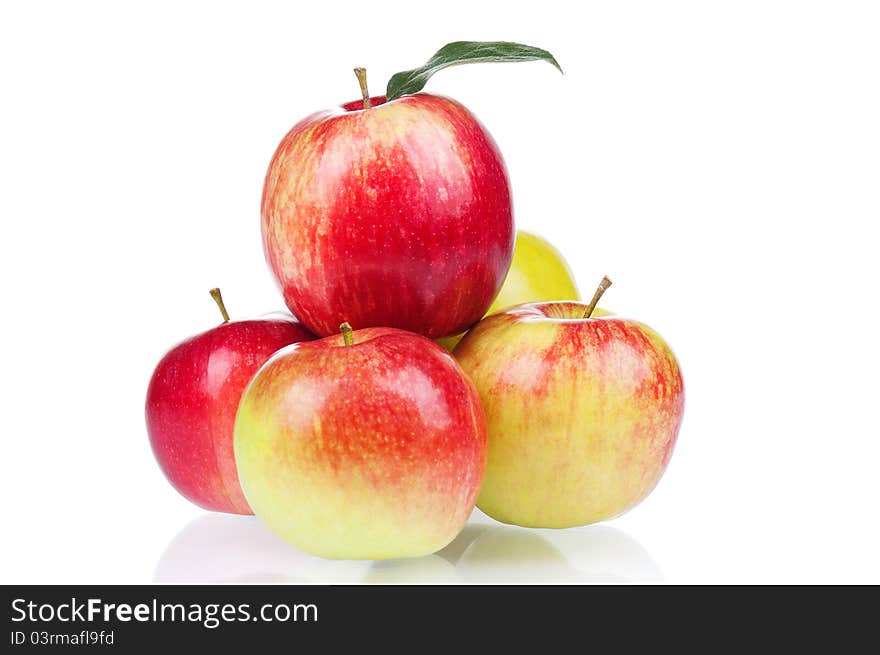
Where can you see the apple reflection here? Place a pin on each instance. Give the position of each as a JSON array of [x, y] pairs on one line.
[[593, 554], [223, 548]]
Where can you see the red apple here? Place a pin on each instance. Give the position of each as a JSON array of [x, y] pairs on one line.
[[583, 412], [192, 400], [396, 215], [370, 445]]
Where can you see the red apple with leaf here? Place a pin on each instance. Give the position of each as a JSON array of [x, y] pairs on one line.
[[192, 400], [393, 210]]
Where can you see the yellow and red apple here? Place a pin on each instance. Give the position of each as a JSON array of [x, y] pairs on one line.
[[370, 445], [583, 412]]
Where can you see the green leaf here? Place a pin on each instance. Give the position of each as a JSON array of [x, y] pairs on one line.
[[463, 52]]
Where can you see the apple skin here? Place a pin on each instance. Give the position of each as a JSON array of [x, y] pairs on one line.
[[395, 216], [582, 413], [374, 450], [538, 272], [191, 403]]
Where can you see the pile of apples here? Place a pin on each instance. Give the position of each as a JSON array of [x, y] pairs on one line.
[[351, 430]]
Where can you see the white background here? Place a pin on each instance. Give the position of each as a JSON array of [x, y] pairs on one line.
[[720, 161]]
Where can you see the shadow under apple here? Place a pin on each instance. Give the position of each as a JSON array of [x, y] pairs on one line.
[[225, 548], [503, 554]]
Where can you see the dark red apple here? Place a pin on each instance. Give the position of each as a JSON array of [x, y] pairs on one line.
[[192, 400], [396, 215]]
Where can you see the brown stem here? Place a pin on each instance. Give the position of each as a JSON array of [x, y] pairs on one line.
[[345, 328], [603, 286], [215, 294], [362, 80]]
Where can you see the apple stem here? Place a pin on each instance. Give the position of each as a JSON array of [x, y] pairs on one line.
[[345, 328], [362, 80], [603, 286], [215, 294]]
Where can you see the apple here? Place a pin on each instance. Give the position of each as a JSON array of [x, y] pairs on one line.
[[537, 272], [192, 399], [365, 445], [392, 214], [583, 411]]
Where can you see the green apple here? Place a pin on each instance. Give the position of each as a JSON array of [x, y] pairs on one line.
[[538, 272]]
